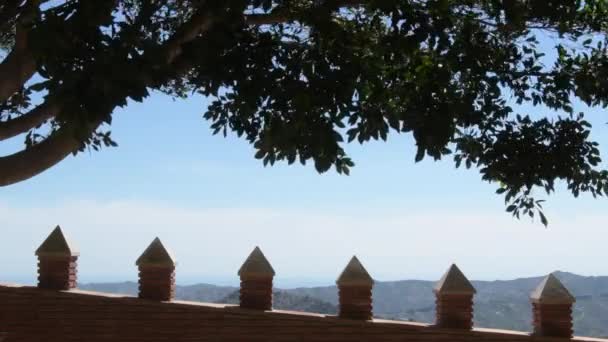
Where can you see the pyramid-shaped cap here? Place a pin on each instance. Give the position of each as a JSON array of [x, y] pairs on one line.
[[156, 255], [256, 264], [454, 282], [57, 245], [552, 291], [355, 274]]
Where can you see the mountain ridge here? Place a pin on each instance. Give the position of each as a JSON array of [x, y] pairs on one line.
[[500, 304]]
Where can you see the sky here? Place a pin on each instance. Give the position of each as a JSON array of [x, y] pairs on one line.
[[211, 203]]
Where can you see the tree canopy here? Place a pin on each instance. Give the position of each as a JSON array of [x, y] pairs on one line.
[[299, 79]]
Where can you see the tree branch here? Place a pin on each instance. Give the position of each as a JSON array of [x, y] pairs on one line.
[[25, 122], [19, 66], [8, 11], [200, 22], [30, 162], [283, 15]]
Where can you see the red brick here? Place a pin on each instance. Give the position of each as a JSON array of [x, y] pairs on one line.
[[355, 302], [29, 314], [256, 293], [454, 311], [157, 283], [553, 320], [57, 272]]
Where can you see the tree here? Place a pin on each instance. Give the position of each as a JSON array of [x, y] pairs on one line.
[[300, 78]]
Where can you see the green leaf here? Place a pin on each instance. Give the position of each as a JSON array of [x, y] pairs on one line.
[[543, 219], [260, 154], [501, 190]]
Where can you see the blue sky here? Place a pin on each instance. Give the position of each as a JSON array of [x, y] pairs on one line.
[[211, 202]]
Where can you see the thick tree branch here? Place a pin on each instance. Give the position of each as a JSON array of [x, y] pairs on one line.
[[40, 157], [19, 66], [25, 122], [9, 11], [200, 22]]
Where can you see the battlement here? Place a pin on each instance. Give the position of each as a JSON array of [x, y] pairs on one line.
[[56, 310]]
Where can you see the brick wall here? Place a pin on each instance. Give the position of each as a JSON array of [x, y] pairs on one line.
[[56, 311], [32, 314]]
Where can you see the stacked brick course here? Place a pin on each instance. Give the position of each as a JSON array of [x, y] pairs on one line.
[[156, 273], [552, 308], [454, 300], [355, 291], [256, 275], [30, 314], [57, 262]]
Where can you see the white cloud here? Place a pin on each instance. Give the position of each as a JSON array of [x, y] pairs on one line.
[[306, 244]]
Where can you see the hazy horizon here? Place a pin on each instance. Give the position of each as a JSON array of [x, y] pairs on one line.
[[279, 282]]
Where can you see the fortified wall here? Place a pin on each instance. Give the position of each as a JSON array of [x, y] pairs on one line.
[[55, 310]]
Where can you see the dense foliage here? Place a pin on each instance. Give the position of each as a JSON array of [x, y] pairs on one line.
[[300, 78]]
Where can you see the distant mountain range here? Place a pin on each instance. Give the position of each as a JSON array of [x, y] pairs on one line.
[[284, 300], [498, 304]]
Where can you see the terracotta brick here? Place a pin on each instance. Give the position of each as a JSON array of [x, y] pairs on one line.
[[29, 314], [57, 273], [355, 302], [57, 262], [552, 320], [256, 275], [156, 273], [454, 300], [454, 311], [552, 308], [355, 292], [256, 294]]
